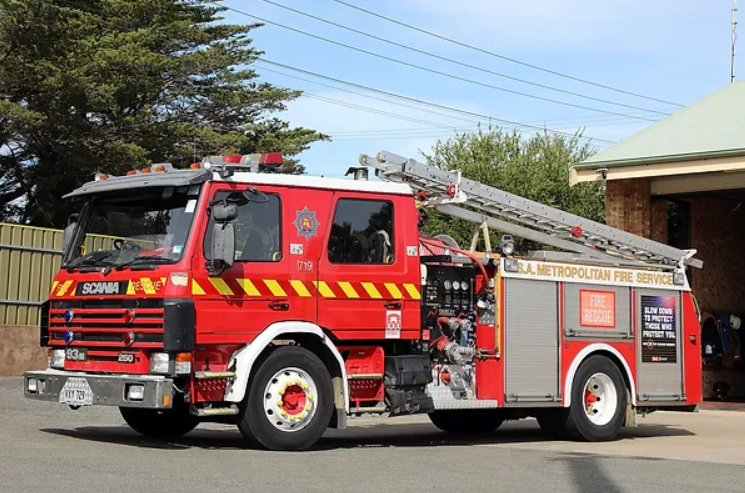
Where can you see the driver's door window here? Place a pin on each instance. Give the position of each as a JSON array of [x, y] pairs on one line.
[[258, 229]]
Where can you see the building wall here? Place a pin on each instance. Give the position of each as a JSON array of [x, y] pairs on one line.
[[627, 205], [718, 233]]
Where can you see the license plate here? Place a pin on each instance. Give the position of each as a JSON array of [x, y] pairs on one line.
[[76, 354], [76, 392]]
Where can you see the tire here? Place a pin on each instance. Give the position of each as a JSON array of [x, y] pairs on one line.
[[289, 403], [161, 424], [468, 420], [606, 412]]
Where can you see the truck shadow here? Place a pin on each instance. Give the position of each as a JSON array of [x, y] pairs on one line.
[[376, 435]]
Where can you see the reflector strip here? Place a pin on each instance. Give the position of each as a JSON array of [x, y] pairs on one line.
[[413, 292], [371, 290], [393, 290], [248, 287], [324, 289], [196, 288], [348, 289], [274, 287], [300, 288], [221, 286], [63, 289]]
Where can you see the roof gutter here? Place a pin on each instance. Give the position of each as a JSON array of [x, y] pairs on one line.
[[694, 156]]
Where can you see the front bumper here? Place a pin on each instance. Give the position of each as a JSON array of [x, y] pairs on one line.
[[86, 389]]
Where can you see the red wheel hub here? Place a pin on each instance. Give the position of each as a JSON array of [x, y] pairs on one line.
[[590, 398], [293, 400]]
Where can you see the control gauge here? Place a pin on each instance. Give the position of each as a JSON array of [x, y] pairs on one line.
[[447, 284], [456, 285]]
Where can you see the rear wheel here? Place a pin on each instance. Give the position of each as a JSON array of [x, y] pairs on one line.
[[290, 401], [166, 423], [468, 420], [597, 412]]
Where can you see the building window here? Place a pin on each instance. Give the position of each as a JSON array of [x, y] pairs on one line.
[[362, 232], [258, 233]]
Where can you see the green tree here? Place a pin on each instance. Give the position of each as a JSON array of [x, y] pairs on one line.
[[109, 85], [536, 168]]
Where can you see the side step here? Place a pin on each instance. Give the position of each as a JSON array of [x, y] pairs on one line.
[[207, 375], [216, 411]]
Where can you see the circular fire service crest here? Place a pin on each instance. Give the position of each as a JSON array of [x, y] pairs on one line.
[[306, 223]]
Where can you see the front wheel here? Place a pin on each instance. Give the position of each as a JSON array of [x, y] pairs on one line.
[[290, 401], [467, 420], [162, 424]]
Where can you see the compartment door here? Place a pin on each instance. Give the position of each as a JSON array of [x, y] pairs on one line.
[[659, 356], [531, 351]]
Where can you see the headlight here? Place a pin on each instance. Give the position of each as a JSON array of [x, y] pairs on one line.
[[57, 360], [159, 363]]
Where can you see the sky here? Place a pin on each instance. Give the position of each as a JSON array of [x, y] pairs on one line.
[[677, 51]]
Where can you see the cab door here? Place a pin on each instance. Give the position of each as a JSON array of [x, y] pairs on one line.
[[369, 272], [237, 304]]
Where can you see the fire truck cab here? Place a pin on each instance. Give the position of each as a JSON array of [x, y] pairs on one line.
[[286, 304]]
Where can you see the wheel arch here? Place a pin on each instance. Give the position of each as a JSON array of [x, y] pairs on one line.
[[601, 350], [305, 334]]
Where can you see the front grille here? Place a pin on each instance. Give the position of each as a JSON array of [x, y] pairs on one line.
[[103, 323]]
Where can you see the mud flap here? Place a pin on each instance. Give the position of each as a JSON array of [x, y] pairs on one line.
[[630, 420]]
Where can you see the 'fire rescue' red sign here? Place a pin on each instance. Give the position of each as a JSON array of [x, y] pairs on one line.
[[597, 308]]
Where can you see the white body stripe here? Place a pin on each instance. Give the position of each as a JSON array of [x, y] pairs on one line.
[[588, 351], [280, 179], [245, 357]]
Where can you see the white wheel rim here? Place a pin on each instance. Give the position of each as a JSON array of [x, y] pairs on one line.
[[600, 399], [290, 400]]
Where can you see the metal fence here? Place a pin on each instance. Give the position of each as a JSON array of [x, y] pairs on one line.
[[29, 258]]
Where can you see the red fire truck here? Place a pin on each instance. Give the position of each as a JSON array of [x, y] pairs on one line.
[[287, 304]]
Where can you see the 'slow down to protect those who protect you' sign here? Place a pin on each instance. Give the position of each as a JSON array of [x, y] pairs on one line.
[[659, 334]]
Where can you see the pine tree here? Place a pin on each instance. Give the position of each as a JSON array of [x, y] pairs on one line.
[[110, 85]]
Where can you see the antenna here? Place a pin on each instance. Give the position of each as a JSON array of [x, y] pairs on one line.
[[734, 40]]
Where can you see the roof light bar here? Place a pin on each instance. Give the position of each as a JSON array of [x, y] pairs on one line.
[[227, 165]]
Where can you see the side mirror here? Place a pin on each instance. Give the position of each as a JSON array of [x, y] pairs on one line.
[[223, 237], [67, 235]]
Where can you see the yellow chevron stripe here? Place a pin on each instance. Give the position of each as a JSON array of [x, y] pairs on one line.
[[412, 290], [54, 286], [371, 290], [196, 288], [274, 287], [63, 289], [147, 285], [248, 287], [221, 286], [300, 288], [393, 289], [163, 280], [324, 289], [131, 289], [348, 289]]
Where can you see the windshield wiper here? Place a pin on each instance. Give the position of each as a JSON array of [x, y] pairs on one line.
[[155, 259], [93, 259]]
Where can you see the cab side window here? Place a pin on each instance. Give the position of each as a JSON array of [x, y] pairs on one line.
[[258, 230], [362, 232]]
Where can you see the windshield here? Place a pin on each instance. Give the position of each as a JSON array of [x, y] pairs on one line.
[[142, 226]]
